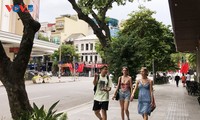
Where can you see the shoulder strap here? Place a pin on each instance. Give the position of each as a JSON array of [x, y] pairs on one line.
[[120, 78], [107, 79], [98, 77]]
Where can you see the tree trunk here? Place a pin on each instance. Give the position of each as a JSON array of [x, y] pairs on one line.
[[18, 99], [12, 72]]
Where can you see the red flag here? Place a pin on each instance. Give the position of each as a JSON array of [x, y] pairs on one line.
[[184, 68]]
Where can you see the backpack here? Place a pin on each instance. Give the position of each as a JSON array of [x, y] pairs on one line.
[[95, 87]]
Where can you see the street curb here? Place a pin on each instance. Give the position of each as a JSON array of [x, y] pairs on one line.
[[80, 106]]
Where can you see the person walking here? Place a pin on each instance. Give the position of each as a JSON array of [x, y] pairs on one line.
[[124, 87], [188, 78], [177, 78], [183, 78], [145, 96], [101, 97]]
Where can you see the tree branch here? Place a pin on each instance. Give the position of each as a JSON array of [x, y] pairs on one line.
[[103, 10], [87, 19], [4, 60], [26, 17], [94, 15], [102, 24], [3, 55], [30, 28]]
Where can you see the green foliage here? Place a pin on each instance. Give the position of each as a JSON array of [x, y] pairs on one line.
[[41, 37], [88, 6], [41, 114], [67, 53], [176, 58], [192, 58], [94, 13], [123, 54], [152, 39], [142, 40]]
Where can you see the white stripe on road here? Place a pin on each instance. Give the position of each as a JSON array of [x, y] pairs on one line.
[[39, 97]]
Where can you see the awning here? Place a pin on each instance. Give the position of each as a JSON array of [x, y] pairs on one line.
[[98, 65], [185, 15]]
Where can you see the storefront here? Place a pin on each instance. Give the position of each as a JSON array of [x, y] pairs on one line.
[[12, 41]]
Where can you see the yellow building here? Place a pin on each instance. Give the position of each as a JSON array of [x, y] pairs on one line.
[[67, 25]]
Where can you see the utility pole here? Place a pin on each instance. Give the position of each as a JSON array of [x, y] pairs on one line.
[[91, 45], [74, 67]]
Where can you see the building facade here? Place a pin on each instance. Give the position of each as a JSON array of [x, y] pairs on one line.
[[46, 29], [10, 22], [11, 30], [67, 25], [85, 47]]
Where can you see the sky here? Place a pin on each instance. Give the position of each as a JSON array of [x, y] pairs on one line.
[[50, 9]]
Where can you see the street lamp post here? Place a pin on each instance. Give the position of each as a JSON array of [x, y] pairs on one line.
[[92, 60], [59, 71], [92, 63], [74, 60]]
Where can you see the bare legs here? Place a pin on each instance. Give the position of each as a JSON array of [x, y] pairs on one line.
[[145, 116], [97, 113], [124, 108], [104, 114]]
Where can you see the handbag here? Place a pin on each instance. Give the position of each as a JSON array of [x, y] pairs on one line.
[[117, 95]]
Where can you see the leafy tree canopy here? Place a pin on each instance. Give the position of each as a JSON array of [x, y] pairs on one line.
[[67, 53], [142, 40], [42, 37], [94, 13]]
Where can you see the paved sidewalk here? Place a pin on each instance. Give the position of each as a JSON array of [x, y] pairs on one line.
[[172, 102]]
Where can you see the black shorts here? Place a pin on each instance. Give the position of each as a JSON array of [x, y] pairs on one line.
[[100, 105]]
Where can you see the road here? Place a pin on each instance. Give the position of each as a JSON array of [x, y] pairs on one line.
[[70, 93]]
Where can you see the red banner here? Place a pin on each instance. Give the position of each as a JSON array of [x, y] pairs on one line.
[[14, 49], [68, 65], [184, 68], [80, 67]]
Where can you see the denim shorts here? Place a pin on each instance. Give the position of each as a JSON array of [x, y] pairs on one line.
[[124, 95]]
